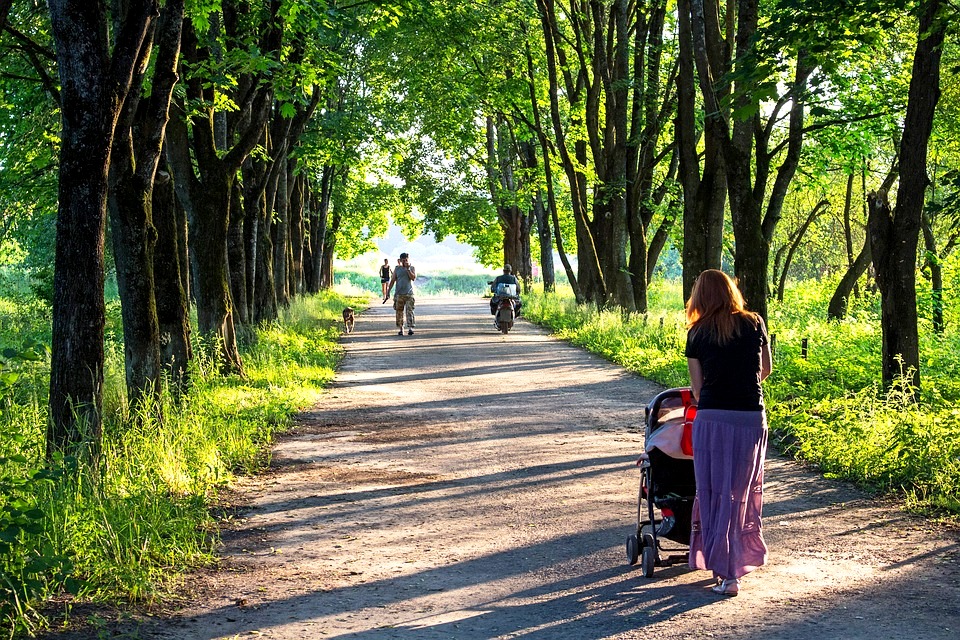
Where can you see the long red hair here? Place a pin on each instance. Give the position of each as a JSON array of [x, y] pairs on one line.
[[716, 306]]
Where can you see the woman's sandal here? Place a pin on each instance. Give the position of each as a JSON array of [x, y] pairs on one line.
[[729, 587]]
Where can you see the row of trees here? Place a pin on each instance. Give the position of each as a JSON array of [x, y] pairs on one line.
[[230, 148], [621, 126], [212, 140]]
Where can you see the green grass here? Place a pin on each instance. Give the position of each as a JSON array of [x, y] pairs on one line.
[[147, 518]]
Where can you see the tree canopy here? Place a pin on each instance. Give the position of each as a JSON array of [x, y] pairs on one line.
[[241, 145]]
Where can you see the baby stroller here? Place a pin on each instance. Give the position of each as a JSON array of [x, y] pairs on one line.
[[667, 482]]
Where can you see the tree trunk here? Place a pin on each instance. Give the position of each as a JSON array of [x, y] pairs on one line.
[[894, 238], [795, 244], [704, 195], [173, 305], [237, 256], [752, 248], [134, 237], [326, 264], [590, 279], [204, 181], [551, 211], [137, 149], [254, 173], [898, 306], [847, 224], [296, 233], [266, 303], [215, 313], [935, 265], [281, 237], [545, 238], [310, 213], [94, 84], [837, 309], [608, 136], [321, 231]]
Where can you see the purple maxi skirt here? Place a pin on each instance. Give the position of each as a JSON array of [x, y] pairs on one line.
[[728, 452]]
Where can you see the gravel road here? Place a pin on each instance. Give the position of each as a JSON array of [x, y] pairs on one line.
[[462, 484]]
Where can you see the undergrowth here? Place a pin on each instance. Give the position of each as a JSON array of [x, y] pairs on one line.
[[126, 532]]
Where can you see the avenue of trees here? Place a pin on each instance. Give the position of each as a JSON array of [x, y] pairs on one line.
[[219, 153]]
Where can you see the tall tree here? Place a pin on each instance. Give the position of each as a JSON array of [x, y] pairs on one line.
[[704, 186], [95, 77], [746, 139], [205, 180], [894, 234], [137, 146], [592, 64]]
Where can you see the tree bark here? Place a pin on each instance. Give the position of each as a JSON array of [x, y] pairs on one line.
[[704, 190], [173, 304], [135, 156], [281, 237], [551, 211], [320, 225], [503, 188], [215, 311], [237, 256], [296, 232], [933, 263], [837, 309], [747, 172], [95, 81], [590, 279]]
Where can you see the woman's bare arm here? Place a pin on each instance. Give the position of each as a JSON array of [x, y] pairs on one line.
[[696, 376]]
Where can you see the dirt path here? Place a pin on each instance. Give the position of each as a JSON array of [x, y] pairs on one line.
[[461, 484]]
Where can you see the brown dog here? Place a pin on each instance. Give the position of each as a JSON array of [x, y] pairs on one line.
[[348, 320]]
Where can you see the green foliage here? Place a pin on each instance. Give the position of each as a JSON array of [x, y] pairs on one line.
[[30, 567], [146, 517]]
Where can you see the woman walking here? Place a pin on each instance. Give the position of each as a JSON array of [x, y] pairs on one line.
[[385, 274], [728, 355]]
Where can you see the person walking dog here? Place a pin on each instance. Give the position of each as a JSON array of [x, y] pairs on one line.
[[403, 302], [728, 356]]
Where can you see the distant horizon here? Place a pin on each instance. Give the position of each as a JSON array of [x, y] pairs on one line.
[[426, 254]]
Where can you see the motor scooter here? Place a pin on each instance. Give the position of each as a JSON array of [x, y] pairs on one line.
[[506, 313], [505, 303]]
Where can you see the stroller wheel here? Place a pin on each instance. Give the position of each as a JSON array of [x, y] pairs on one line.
[[648, 561], [648, 555], [633, 549]]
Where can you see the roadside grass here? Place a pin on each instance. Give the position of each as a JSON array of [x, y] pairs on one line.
[[825, 404], [127, 532]]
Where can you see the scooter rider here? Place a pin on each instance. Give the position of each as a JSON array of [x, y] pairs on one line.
[[506, 278]]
